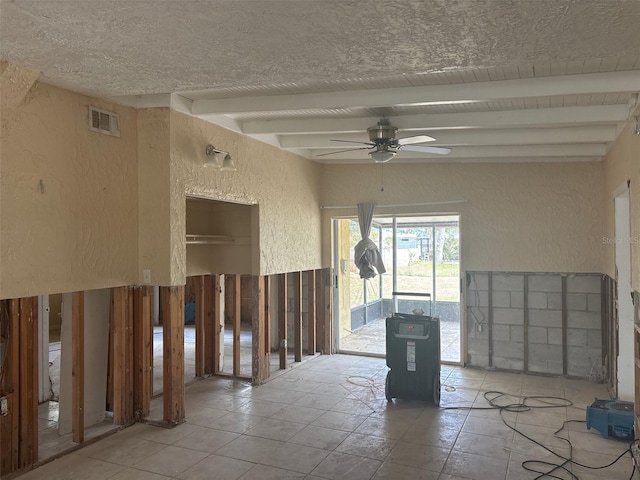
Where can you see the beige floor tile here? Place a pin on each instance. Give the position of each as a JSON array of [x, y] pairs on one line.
[[275, 429], [235, 422], [483, 445], [419, 456], [295, 413], [339, 421], [251, 449], [483, 426], [475, 467], [116, 450], [395, 471], [295, 457], [380, 427], [135, 474], [165, 435], [339, 466], [431, 435], [206, 440], [74, 467], [319, 437], [264, 472], [261, 408], [317, 400], [367, 446], [225, 468], [171, 461], [352, 406]]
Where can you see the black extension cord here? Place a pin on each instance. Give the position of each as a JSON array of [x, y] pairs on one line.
[[492, 398]]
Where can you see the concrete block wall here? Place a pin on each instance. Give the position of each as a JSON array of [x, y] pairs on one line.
[[515, 322]]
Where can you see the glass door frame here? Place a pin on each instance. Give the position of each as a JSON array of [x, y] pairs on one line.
[[461, 272]]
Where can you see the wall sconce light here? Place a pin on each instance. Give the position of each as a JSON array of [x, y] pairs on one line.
[[227, 165]]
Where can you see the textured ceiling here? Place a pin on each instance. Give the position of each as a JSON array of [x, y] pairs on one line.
[[139, 47], [494, 80]]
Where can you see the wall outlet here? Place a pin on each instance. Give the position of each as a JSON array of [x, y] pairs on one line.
[[4, 406], [146, 276]]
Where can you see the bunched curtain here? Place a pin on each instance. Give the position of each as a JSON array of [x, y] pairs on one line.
[[366, 254]]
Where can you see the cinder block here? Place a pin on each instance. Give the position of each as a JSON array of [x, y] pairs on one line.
[[537, 335], [584, 362], [512, 350], [594, 339], [508, 316], [517, 333], [545, 358], [508, 282], [583, 283], [545, 318], [508, 363], [501, 333], [537, 300], [554, 336], [554, 301], [594, 302], [576, 301], [517, 299], [477, 298], [545, 283], [501, 299], [477, 360], [589, 320], [577, 337], [478, 346], [479, 281]]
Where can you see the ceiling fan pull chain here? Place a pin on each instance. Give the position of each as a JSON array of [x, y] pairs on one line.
[[382, 177]]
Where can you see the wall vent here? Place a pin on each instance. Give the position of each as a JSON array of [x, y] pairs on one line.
[[103, 121]]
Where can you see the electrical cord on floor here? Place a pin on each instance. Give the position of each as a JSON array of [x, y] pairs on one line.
[[492, 397]]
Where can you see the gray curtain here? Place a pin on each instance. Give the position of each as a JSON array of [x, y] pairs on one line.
[[366, 254]]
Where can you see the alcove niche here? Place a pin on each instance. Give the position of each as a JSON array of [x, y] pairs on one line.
[[222, 237]]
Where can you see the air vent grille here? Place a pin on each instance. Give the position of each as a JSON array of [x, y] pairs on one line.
[[103, 121]]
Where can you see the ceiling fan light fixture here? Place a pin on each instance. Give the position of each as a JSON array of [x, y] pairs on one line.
[[382, 156]]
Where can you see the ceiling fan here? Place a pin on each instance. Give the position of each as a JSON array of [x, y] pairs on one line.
[[385, 145]]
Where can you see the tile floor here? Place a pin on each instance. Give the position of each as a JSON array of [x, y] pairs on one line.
[[328, 419]]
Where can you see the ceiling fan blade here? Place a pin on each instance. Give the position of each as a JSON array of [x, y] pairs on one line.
[[425, 149], [352, 141], [415, 139], [342, 151]]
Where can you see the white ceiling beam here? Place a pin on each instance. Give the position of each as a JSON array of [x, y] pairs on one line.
[[501, 151], [447, 159], [614, 82], [442, 121], [513, 136]]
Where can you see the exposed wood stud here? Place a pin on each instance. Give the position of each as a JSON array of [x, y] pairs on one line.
[[10, 423], [201, 319], [216, 323], [77, 366], [173, 351], [28, 388], [143, 351], [236, 312], [283, 301], [311, 312], [259, 367], [122, 311], [267, 321], [297, 316], [327, 297], [208, 324]]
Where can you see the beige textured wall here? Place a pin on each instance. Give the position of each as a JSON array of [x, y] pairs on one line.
[[622, 164], [285, 187], [518, 217], [154, 206], [80, 231]]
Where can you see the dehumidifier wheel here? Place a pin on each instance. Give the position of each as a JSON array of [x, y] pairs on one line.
[[436, 389], [387, 387]]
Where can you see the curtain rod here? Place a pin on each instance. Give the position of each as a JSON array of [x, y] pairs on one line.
[[324, 207]]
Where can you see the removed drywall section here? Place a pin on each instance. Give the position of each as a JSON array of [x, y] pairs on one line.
[[533, 322]]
